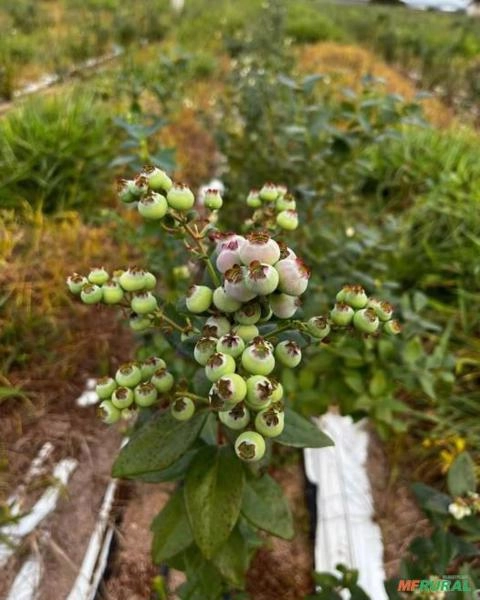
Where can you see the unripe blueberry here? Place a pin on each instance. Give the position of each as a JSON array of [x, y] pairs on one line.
[[282, 190], [294, 276], [109, 413], [270, 422], [216, 327], [182, 409], [231, 388], [218, 365], [261, 247], [259, 392], [98, 276], [342, 314], [250, 446], [383, 309], [112, 292], [261, 278], [139, 322], [145, 394], [318, 327], [217, 403], [228, 253], [212, 199], [122, 397], [258, 358], [287, 219], [340, 297], [143, 303], [105, 387], [236, 418], [268, 192], [126, 414], [141, 186], [180, 197], [285, 203], [267, 313], [246, 332], [91, 294], [76, 282], [224, 302], [132, 280], [248, 314], [182, 272], [235, 284], [162, 380], [288, 353], [128, 375], [253, 199], [204, 348], [283, 306], [392, 327], [157, 179], [154, 206], [231, 344], [199, 298], [366, 320], [355, 296], [277, 391], [128, 191], [150, 365], [150, 281]]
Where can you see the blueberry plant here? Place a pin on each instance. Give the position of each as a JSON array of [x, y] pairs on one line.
[[240, 323]]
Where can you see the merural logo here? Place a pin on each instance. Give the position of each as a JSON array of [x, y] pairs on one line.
[[434, 585]]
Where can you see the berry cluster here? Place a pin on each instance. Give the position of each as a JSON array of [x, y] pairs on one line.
[[274, 204], [463, 507]]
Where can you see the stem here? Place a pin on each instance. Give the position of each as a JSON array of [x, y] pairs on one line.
[[198, 241], [172, 323], [279, 330], [192, 397]]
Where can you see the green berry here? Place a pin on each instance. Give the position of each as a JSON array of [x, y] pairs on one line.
[[284, 306], [127, 190], [270, 422], [144, 303], [231, 388], [383, 309], [216, 327], [366, 320], [235, 284], [285, 203], [150, 365], [340, 297], [162, 380], [248, 314], [218, 365], [181, 273], [109, 413], [182, 409], [246, 332], [342, 314], [145, 394], [355, 296], [132, 280], [76, 282], [139, 323], [224, 302], [105, 387], [112, 292], [269, 192], [259, 392], [318, 327], [180, 197], [213, 199], [288, 220], [288, 353], [154, 206], [122, 397], [258, 358], [231, 344], [392, 327], [204, 348], [250, 446], [150, 281], [236, 418], [157, 179], [128, 375], [262, 278], [127, 414], [253, 199], [199, 298], [91, 294], [277, 393]]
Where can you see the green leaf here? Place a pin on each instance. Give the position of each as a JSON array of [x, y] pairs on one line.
[[232, 559], [204, 582], [378, 384], [157, 445], [431, 499], [213, 495], [461, 475], [171, 529], [301, 433], [174, 472], [265, 506]]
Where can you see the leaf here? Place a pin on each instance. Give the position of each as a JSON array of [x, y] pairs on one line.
[[171, 529], [232, 559], [378, 383], [301, 433], [213, 496], [265, 506], [157, 445], [431, 499], [204, 582], [174, 472], [461, 475]]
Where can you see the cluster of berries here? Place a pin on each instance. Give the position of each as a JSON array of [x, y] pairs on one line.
[[131, 288], [465, 507], [275, 200], [155, 193], [134, 385]]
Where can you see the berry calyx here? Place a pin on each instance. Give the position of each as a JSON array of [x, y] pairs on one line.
[[216, 327], [218, 365], [285, 203], [236, 418], [258, 358], [122, 397], [293, 276], [91, 294], [143, 303], [262, 278], [182, 409], [318, 327], [342, 314], [109, 413], [235, 284], [199, 298], [231, 344], [288, 353], [162, 380], [145, 394], [260, 247], [112, 292], [153, 207], [250, 446], [231, 388], [366, 320], [105, 387], [132, 280], [128, 375], [355, 296], [180, 197], [204, 348], [75, 283], [383, 309], [127, 190], [270, 422]]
